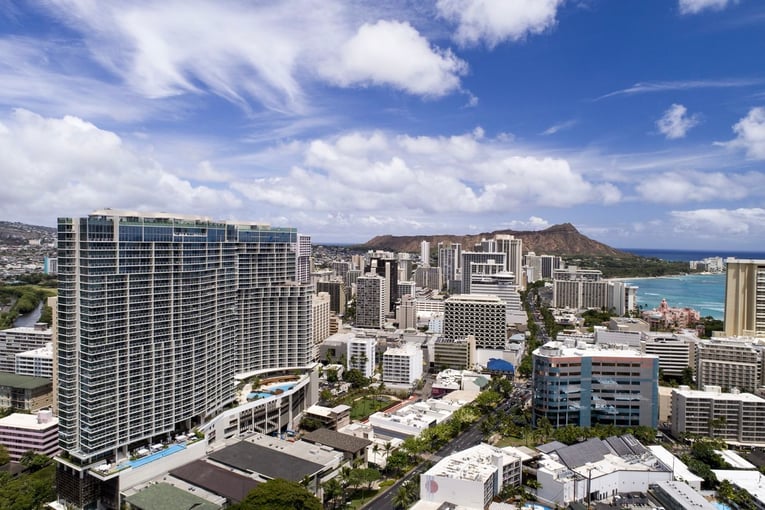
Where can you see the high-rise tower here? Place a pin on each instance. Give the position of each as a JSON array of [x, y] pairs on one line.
[[156, 313], [745, 297]]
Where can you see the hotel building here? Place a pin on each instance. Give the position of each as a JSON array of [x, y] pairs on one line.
[[156, 314], [482, 316], [745, 297]]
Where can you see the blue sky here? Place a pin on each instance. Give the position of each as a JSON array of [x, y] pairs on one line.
[[641, 122]]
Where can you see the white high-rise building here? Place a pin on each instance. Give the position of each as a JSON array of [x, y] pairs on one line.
[[371, 302], [361, 354], [512, 247], [402, 365], [320, 310], [406, 313], [480, 263], [425, 253], [156, 313], [449, 258], [303, 259], [745, 297]]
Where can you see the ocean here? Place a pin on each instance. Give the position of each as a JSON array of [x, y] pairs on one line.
[[702, 292]]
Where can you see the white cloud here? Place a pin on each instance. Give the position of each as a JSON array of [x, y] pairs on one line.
[[533, 223], [67, 166], [696, 6], [668, 86], [559, 127], [720, 223], [676, 122], [750, 134], [461, 174], [496, 21], [690, 186], [394, 53], [256, 53]]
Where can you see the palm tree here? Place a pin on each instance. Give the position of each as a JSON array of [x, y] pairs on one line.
[[332, 490]]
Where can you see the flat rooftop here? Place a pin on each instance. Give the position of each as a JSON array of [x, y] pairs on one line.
[[337, 440], [163, 496], [265, 461], [24, 382], [27, 421], [215, 479]]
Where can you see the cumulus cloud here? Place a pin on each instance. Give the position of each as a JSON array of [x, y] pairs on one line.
[[532, 223], [691, 186], [394, 53], [256, 53], [676, 122], [456, 174], [750, 134], [67, 166], [495, 21], [716, 223], [696, 6]]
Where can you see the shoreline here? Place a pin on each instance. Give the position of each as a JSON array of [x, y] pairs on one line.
[[666, 276]]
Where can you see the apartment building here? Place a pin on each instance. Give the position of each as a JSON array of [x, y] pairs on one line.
[[402, 365], [17, 340], [37, 362], [729, 363], [320, 314], [361, 354], [738, 418], [676, 352], [371, 304], [337, 296]]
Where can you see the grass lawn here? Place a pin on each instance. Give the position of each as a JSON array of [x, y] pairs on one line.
[[362, 407], [510, 441]]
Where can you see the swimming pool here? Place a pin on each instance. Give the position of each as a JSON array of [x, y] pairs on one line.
[[258, 394], [269, 391], [154, 456]]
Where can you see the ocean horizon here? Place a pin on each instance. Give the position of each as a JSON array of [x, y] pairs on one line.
[[688, 255]]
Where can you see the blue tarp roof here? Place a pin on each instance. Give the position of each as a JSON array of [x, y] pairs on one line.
[[500, 365]]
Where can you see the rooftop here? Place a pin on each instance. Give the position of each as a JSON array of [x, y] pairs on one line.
[[337, 440], [25, 382], [163, 496], [27, 421], [215, 479]]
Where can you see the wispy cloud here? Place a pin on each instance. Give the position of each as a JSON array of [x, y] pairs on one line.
[[257, 55], [696, 6], [559, 127], [668, 86]]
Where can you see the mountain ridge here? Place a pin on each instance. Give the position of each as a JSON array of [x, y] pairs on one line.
[[561, 239]]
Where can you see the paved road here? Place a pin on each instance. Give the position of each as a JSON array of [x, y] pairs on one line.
[[471, 436]]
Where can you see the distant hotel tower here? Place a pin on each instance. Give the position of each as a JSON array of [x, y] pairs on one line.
[[156, 313], [745, 298]]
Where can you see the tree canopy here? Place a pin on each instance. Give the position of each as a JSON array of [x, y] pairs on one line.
[[278, 494]]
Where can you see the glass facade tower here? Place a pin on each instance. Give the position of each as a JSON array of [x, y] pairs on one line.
[[157, 312]]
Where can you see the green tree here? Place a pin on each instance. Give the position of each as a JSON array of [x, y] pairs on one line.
[[278, 494], [332, 492], [5, 457]]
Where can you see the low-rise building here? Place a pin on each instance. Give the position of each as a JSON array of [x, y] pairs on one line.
[[455, 354], [37, 362], [410, 420], [22, 339], [353, 448], [596, 469], [333, 418], [471, 478], [20, 433], [24, 392]]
